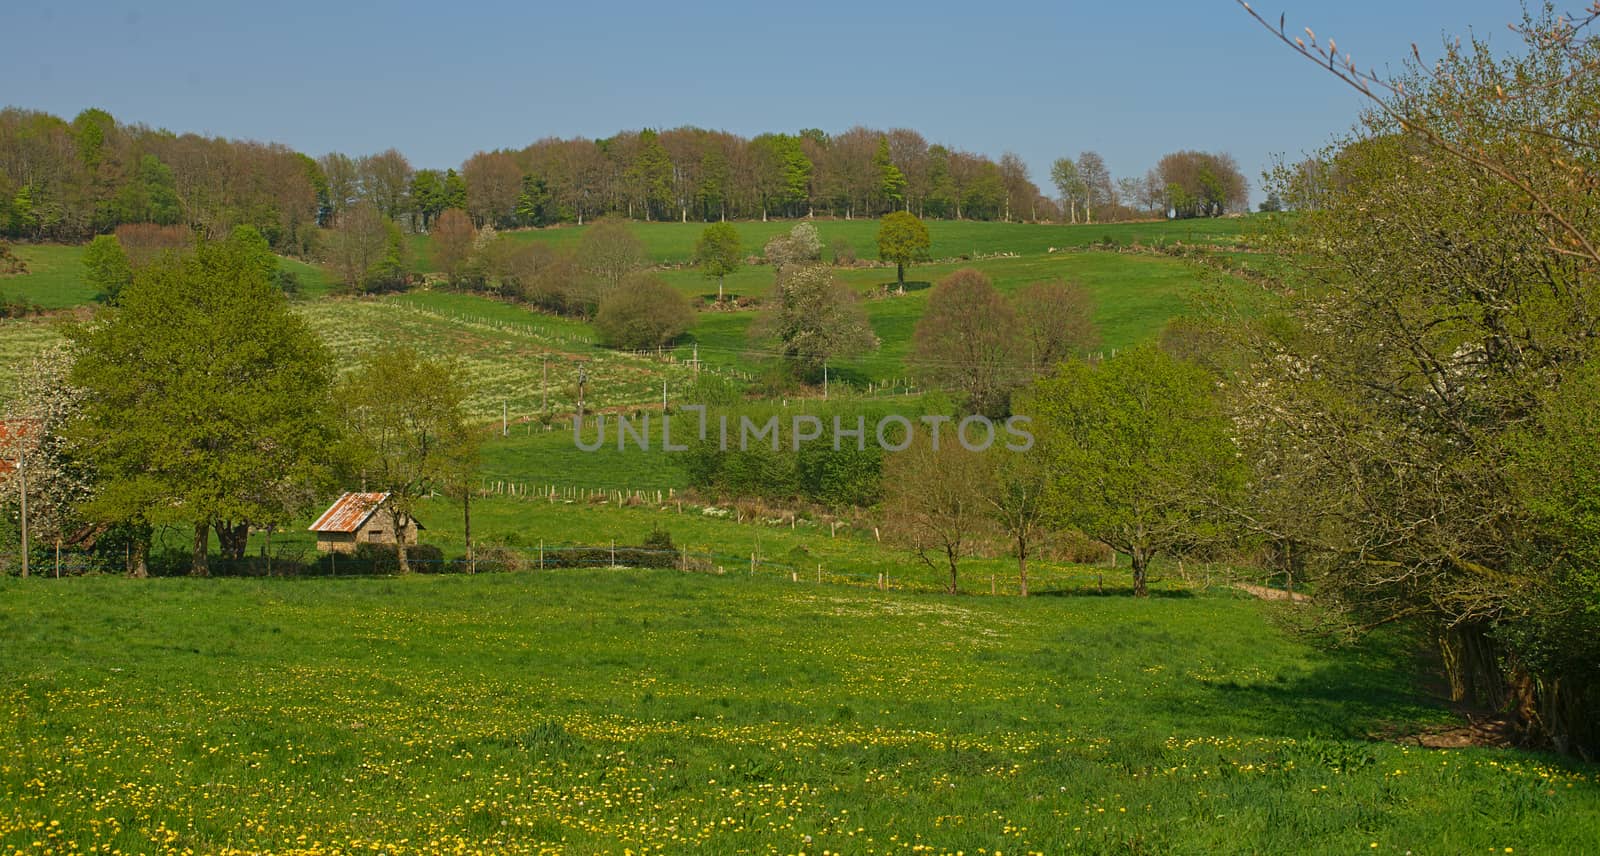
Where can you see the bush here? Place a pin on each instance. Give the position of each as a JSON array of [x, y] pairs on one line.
[[493, 559], [604, 557], [844, 252], [380, 559], [645, 312]]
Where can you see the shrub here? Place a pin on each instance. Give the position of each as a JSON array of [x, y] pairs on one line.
[[844, 252], [645, 312], [380, 559]]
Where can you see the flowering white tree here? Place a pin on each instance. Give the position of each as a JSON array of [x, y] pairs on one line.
[[57, 480]]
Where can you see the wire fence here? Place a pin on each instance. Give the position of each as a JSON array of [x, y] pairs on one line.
[[381, 560]]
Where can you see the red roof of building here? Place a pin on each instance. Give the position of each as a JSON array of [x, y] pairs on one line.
[[348, 512], [13, 429]]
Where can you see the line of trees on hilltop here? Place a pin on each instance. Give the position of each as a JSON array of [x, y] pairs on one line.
[[69, 180]]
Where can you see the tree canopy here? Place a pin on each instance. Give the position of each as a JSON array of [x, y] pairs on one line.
[[205, 398], [902, 239]]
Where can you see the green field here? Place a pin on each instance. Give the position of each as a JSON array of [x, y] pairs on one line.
[[673, 243], [54, 279], [654, 711], [504, 347]]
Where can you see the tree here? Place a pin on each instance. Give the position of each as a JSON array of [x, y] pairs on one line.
[[644, 313], [966, 342], [814, 317], [409, 435], [1069, 183], [59, 479], [106, 267], [934, 503], [453, 237], [801, 246], [902, 239], [383, 180], [205, 399], [1057, 321], [1016, 487], [718, 253], [891, 181], [1095, 180], [609, 252], [1139, 455], [1431, 368], [357, 244], [1202, 184]]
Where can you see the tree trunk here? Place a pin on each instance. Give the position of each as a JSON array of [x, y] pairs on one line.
[[398, 521], [234, 539], [1022, 567], [139, 558], [950, 554], [1140, 562], [466, 526], [199, 567], [1472, 665], [900, 273]]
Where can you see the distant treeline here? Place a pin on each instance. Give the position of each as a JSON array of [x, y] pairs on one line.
[[69, 180]]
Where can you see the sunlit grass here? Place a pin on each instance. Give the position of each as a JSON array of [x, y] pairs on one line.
[[654, 711]]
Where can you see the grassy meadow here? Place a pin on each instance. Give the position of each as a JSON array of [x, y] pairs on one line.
[[772, 698], [654, 711], [504, 347], [673, 243]]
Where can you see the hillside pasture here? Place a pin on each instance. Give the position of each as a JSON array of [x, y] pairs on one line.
[[673, 243]]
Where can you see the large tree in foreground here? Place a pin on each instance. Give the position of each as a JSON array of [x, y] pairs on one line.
[[408, 431], [1139, 455], [205, 399], [1431, 371]]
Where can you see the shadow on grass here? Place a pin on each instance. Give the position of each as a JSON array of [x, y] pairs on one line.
[[1112, 591]]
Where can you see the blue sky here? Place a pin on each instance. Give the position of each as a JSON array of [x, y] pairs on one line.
[[441, 80]]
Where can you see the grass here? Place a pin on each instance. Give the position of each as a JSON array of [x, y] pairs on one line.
[[20, 340], [501, 348], [54, 279], [673, 243], [1135, 295], [653, 711]]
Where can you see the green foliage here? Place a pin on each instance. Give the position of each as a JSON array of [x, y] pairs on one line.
[[891, 181], [644, 312], [389, 272], [1139, 454], [846, 477], [814, 318], [207, 399], [106, 267], [902, 239], [407, 430], [718, 252]]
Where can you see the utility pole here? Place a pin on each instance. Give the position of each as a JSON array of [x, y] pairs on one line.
[[22, 481], [824, 380], [505, 418], [583, 380]]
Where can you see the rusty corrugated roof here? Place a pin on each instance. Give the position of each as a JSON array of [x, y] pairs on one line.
[[12, 430], [348, 512]]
